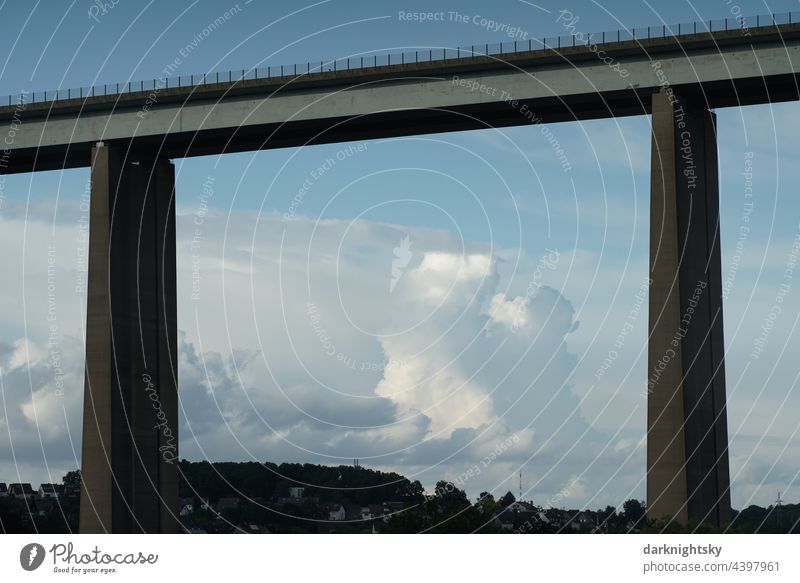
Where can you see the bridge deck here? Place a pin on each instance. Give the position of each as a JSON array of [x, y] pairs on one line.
[[724, 68]]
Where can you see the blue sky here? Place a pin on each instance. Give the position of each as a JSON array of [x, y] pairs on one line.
[[430, 378]]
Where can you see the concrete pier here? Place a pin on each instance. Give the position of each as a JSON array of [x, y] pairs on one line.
[[130, 421], [130, 410], [687, 443]]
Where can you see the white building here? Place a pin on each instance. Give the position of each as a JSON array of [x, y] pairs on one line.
[[48, 491], [338, 514]]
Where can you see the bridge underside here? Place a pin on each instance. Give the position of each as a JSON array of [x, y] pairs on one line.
[[555, 109]]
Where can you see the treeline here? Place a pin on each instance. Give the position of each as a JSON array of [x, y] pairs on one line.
[[774, 519], [271, 481], [262, 488]]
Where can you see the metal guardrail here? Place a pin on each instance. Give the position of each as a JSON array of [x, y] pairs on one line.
[[408, 58]]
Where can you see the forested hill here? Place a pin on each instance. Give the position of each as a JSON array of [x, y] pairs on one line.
[[332, 483]]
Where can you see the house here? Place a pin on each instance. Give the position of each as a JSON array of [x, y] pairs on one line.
[[228, 503], [338, 513], [519, 506], [352, 511], [186, 506], [296, 492], [42, 506], [3, 490], [51, 491], [582, 521], [380, 511], [23, 490], [503, 520], [542, 517], [556, 517], [394, 507]]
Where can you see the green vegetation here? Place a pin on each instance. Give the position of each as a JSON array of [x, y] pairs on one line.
[[286, 498]]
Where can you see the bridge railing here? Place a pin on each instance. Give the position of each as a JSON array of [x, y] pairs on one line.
[[373, 61]]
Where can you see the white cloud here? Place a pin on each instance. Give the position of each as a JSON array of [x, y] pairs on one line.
[[420, 379]]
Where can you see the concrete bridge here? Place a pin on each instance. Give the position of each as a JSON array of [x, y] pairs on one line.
[[129, 476]]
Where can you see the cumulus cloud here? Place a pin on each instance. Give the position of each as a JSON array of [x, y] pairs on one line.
[[295, 346], [42, 400], [424, 376]]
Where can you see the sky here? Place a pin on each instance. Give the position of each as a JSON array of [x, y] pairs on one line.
[[438, 305]]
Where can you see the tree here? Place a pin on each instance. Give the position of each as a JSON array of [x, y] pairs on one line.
[[13, 517], [507, 500], [72, 478], [447, 511], [411, 491], [450, 497], [633, 511], [486, 502], [607, 515]]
